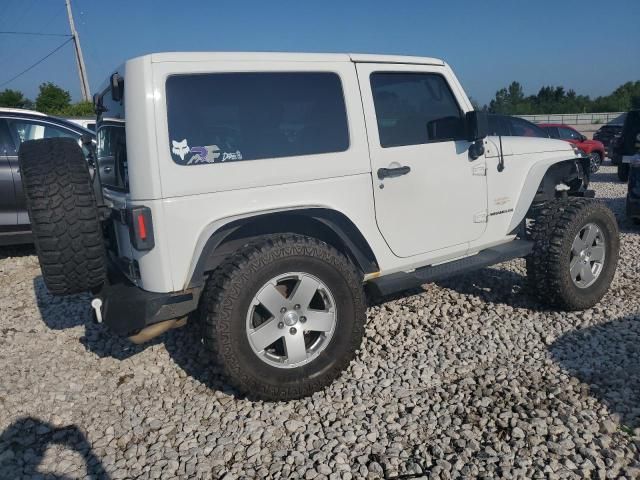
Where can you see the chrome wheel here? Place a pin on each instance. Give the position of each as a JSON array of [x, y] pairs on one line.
[[291, 320], [587, 255], [594, 161]]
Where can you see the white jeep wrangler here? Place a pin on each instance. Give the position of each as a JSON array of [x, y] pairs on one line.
[[274, 193]]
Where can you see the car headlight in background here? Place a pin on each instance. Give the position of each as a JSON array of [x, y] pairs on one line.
[[578, 151]]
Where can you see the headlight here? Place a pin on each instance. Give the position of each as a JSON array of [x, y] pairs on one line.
[[578, 151]]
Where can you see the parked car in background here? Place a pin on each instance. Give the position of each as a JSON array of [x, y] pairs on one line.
[[17, 126], [627, 146], [88, 123], [593, 148], [508, 126], [607, 134]]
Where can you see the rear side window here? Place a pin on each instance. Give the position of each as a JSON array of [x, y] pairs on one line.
[[24, 130], [415, 108], [229, 117]]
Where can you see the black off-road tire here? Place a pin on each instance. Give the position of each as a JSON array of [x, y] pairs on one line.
[[64, 218], [555, 227], [623, 172], [227, 296]]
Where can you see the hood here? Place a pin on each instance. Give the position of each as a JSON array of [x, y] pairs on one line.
[[592, 143], [525, 145]]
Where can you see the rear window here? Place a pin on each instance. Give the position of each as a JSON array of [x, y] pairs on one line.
[[229, 117]]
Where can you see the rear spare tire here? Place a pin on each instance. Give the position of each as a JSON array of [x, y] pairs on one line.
[[64, 216]]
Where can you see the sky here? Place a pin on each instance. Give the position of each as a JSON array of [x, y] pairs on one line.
[[585, 45]]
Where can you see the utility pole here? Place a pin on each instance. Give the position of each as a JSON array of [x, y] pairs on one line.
[[82, 71]]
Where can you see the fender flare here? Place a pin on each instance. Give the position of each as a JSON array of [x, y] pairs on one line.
[[219, 231], [541, 181]]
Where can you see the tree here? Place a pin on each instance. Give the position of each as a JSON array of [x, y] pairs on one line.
[[52, 99], [14, 99], [80, 109], [509, 100]]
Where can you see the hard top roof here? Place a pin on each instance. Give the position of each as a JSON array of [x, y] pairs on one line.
[[290, 57]]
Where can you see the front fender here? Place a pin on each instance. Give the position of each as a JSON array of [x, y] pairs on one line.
[[543, 177]]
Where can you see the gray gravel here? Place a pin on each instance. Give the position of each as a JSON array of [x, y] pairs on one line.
[[467, 378]]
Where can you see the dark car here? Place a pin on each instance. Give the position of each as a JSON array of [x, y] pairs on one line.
[[507, 126], [629, 151], [607, 134], [16, 126]]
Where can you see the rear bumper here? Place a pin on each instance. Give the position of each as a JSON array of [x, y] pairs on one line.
[[126, 309]]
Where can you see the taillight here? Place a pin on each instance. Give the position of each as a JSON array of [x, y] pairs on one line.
[[140, 228]]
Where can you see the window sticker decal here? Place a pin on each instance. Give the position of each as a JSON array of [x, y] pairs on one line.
[[206, 154], [231, 156], [180, 148]]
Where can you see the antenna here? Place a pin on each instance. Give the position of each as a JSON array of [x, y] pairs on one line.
[[82, 71]]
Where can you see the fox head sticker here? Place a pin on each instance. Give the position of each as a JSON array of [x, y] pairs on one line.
[[180, 148]]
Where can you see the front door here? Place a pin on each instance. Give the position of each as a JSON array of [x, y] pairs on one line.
[[8, 211], [429, 195]]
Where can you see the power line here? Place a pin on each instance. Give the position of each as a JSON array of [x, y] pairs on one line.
[[37, 63], [37, 33]]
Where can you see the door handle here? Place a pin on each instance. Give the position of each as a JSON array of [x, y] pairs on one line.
[[107, 169], [393, 172]]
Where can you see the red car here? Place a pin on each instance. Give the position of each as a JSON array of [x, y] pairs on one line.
[[593, 148]]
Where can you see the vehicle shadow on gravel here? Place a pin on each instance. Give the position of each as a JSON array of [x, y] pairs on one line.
[[494, 285], [607, 358], [182, 344], [61, 313], [23, 445]]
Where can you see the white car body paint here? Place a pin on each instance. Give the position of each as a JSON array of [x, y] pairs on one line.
[[431, 215]]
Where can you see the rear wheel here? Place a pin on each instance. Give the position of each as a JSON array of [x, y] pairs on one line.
[[575, 253], [284, 316], [64, 217]]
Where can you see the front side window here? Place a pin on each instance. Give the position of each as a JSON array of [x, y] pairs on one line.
[[7, 146], [228, 117], [568, 134], [415, 108], [552, 131]]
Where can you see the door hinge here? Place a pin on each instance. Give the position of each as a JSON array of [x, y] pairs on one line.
[[479, 170], [480, 217]]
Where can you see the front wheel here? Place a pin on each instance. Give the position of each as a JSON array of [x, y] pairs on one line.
[[595, 161], [284, 316], [576, 244]]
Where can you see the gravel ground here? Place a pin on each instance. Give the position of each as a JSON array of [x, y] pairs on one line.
[[467, 378]]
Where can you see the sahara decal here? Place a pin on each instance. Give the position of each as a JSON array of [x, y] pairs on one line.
[[500, 212]]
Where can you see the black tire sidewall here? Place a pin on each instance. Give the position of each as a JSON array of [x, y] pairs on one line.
[[579, 298], [254, 375]]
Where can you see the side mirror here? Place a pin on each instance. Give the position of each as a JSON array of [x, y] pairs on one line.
[[477, 125], [117, 87]]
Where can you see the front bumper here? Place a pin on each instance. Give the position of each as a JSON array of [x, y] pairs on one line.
[[633, 191], [126, 309], [631, 158]]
